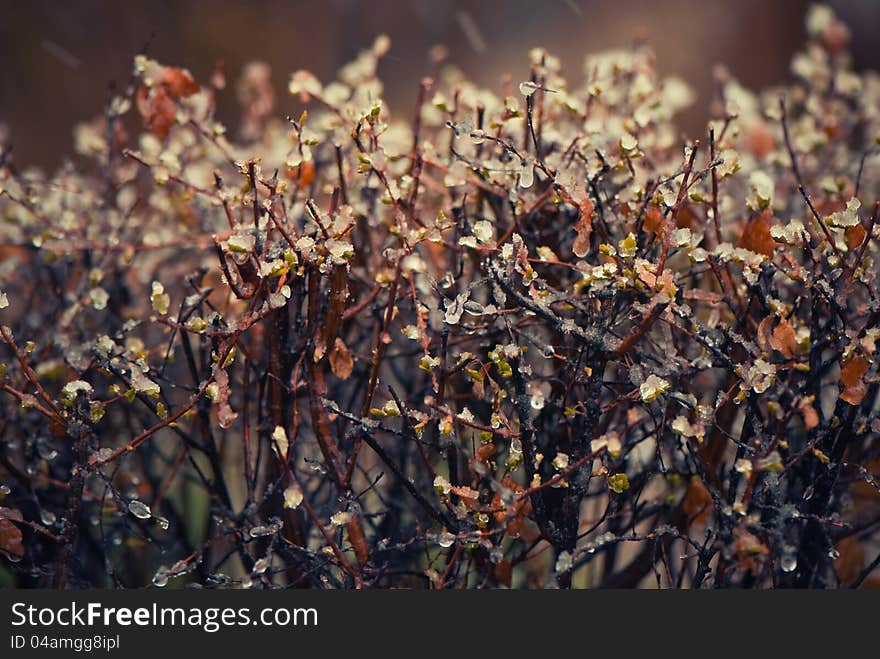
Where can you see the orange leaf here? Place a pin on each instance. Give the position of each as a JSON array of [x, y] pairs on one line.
[[465, 492], [748, 549], [765, 333], [10, 539], [179, 82], [697, 502], [158, 110], [854, 389], [584, 228], [469, 496], [358, 542], [850, 560], [759, 141], [784, 339], [57, 428], [854, 236], [303, 174], [756, 236], [865, 495], [653, 222], [811, 417], [504, 572], [835, 37], [225, 415], [485, 452], [341, 361], [686, 218]]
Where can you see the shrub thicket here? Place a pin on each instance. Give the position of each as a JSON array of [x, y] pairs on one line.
[[528, 339]]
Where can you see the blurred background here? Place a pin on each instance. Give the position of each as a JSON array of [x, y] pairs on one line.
[[59, 56]]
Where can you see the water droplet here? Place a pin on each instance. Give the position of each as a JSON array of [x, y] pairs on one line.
[[48, 518], [446, 539], [162, 522], [260, 531], [261, 565], [527, 88], [47, 452], [788, 562], [4, 489], [316, 466], [160, 579], [564, 562], [478, 136], [808, 493], [219, 578], [833, 554], [103, 454], [463, 127], [526, 174], [139, 509]]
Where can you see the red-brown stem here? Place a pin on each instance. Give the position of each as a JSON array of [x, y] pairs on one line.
[[800, 179], [334, 547], [670, 223], [715, 219], [31, 376], [378, 353]]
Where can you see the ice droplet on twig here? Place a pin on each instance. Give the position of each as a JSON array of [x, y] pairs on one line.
[[139, 509]]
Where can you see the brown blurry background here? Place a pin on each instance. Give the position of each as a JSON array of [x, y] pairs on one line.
[[57, 57]]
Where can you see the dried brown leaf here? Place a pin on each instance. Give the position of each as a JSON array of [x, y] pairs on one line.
[[158, 110], [504, 573], [11, 538], [225, 415], [341, 361], [697, 501], [584, 228], [756, 236], [854, 388], [850, 560], [784, 339], [653, 222], [765, 333], [854, 236], [811, 417], [179, 82]]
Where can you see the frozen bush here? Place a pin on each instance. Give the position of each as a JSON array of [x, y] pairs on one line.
[[523, 339]]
